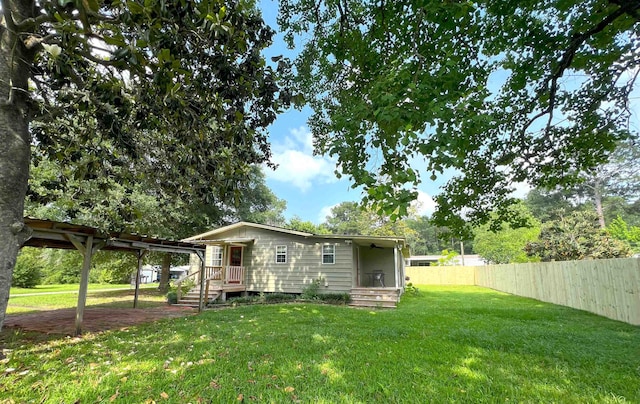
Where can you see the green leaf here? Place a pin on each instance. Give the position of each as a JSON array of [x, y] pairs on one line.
[[94, 5], [134, 7], [115, 41]]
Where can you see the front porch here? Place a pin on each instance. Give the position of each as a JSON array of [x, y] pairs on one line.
[[218, 281], [224, 272], [223, 279]]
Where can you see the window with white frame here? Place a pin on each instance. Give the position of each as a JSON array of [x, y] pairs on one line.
[[281, 254], [328, 254], [215, 256]]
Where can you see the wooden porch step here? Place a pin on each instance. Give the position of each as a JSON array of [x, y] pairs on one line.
[[374, 297], [192, 298], [374, 304], [386, 294]]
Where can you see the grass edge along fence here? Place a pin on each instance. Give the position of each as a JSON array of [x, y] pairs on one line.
[[610, 288]]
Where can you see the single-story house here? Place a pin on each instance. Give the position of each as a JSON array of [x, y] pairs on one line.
[[252, 257]]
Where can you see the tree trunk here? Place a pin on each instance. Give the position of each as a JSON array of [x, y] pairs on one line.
[[164, 273], [597, 199], [15, 151]]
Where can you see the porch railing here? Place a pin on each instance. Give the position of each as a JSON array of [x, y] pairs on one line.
[[228, 274], [178, 283]]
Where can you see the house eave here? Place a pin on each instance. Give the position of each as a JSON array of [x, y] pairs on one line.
[[381, 241], [237, 225], [242, 241], [360, 240]]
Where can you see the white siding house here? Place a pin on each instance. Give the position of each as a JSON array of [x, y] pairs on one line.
[[274, 259]]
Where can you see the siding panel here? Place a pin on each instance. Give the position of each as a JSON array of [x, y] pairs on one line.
[[303, 266]]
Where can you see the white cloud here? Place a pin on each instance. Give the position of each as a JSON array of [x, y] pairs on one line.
[[325, 212], [304, 137], [296, 163], [424, 205]]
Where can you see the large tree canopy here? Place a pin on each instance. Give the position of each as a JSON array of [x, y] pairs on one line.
[[497, 92], [507, 245], [613, 188], [577, 236], [352, 218], [143, 207], [172, 94], [619, 177]]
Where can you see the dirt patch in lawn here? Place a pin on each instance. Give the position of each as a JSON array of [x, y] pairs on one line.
[[94, 319]]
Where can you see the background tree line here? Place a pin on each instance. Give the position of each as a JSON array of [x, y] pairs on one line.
[[598, 218]]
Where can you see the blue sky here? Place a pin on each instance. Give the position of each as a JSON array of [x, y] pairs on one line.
[[307, 182]]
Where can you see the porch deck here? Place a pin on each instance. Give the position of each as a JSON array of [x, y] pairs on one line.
[[375, 297]]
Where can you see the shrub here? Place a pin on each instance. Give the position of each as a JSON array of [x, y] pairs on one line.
[[335, 298], [243, 299], [62, 266], [187, 285], [278, 297], [311, 291], [411, 290], [172, 296], [28, 270]]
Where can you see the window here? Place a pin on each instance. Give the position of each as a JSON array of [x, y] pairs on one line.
[[281, 254], [215, 257], [328, 254]]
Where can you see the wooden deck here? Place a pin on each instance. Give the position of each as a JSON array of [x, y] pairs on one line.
[[375, 297]]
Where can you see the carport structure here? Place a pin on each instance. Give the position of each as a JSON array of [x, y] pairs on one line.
[[88, 240]]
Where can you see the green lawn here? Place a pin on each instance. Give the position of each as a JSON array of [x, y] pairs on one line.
[[73, 288], [65, 296], [449, 344]]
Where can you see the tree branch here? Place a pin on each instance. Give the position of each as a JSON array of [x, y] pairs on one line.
[[577, 40], [631, 8], [31, 23], [8, 19]]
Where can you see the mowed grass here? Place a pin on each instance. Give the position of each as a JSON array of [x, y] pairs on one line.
[[449, 344], [73, 288], [23, 303]]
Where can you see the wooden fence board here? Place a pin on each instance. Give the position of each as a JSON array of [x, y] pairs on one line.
[[451, 275]]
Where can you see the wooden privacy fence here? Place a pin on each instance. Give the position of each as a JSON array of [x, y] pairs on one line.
[[610, 288], [453, 275]]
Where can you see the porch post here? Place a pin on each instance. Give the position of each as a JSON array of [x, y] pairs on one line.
[[226, 257], [84, 283], [87, 250], [139, 254], [395, 265], [202, 268], [359, 272]]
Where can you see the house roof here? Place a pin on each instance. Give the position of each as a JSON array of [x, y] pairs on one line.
[[380, 241], [237, 225]]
